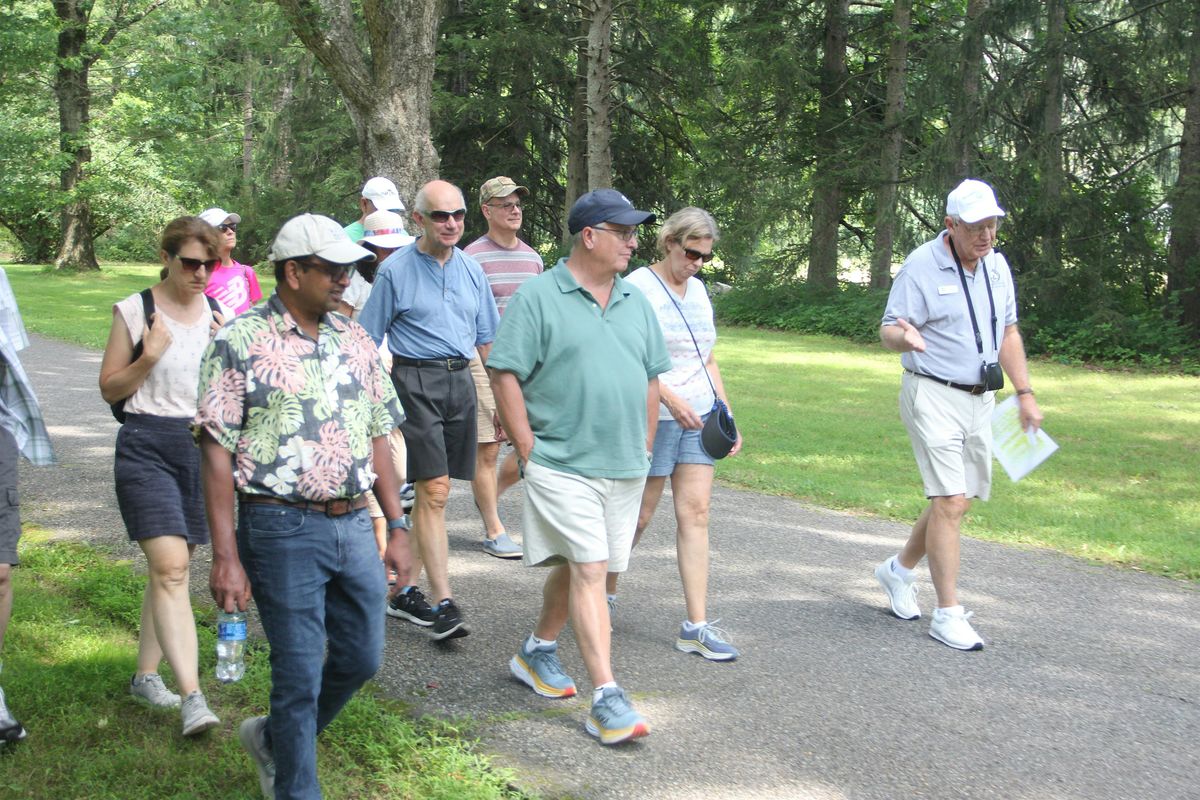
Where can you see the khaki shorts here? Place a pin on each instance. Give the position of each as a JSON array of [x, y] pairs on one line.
[[581, 520], [396, 440], [485, 404], [951, 433]]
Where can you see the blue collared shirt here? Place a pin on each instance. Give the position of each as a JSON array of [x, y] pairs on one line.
[[430, 311]]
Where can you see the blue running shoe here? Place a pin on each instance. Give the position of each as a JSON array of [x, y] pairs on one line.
[[708, 641], [612, 720], [541, 671]]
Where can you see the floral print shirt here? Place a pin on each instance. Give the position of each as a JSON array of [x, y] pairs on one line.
[[298, 415]]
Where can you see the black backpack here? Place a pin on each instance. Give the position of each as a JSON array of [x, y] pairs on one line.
[[118, 408]]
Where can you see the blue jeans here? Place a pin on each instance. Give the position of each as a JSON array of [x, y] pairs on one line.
[[317, 581]]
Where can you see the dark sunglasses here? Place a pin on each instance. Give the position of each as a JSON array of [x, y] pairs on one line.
[[336, 272], [694, 254], [444, 216], [227, 226], [193, 264]]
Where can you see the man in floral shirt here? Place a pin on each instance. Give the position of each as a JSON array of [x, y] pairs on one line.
[[294, 412]]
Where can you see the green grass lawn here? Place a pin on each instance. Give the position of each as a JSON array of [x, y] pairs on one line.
[[70, 651], [821, 424]]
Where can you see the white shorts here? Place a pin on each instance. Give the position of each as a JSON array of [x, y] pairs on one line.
[[485, 404], [951, 433], [582, 520]]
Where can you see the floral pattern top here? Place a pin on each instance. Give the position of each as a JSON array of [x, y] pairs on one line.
[[298, 415]]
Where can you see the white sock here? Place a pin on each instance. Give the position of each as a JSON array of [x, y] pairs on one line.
[[692, 627], [534, 643], [900, 569], [954, 611], [598, 692]]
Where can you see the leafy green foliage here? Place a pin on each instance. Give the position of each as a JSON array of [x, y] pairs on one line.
[[851, 311]]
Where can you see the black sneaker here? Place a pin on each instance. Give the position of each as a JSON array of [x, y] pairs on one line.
[[411, 606], [448, 623]]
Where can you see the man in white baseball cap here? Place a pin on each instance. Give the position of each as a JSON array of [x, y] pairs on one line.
[[378, 194], [952, 315], [299, 396]]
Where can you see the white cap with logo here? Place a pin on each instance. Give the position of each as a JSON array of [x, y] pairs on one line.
[[315, 235], [972, 201], [383, 194], [215, 216]]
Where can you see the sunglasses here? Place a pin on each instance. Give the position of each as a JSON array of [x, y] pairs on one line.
[[696, 254], [444, 216], [227, 226], [193, 264], [335, 272]]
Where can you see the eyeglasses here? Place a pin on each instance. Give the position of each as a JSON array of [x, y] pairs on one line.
[[442, 217], [696, 254], [507, 206], [626, 235], [227, 226], [335, 272], [976, 228], [193, 264]]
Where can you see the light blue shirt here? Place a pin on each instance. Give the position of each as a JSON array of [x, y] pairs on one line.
[[430, 311], [928, 293]]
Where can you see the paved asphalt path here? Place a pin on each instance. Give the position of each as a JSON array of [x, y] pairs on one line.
[[1089, 686]]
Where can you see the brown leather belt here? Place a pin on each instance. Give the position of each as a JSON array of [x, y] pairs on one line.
[[330, 508]]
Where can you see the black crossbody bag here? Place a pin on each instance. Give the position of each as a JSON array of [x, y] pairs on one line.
[[118, 408]]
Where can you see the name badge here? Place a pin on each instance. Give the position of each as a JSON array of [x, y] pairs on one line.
[[948, 289]]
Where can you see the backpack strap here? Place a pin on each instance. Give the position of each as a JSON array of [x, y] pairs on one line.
[[147, 312]]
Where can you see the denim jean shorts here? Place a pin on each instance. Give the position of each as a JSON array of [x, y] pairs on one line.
[[673, 444]]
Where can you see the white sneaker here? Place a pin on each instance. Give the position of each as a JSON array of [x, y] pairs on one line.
[[950, 627], [901, 592], [151, 691], [197, 716]]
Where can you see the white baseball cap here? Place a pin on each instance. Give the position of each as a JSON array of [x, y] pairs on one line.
[[315, 235], [972, 201], [383, 194], [215, 216], [385, 229]]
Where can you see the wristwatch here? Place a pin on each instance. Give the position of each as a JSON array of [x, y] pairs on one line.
[[399, 523]]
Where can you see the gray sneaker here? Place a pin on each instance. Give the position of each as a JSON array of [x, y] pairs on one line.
[[252, 734], [153, 692], [197, 717], [502, 547], [10, 729]]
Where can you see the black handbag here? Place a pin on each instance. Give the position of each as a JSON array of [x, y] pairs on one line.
[[118, 408], [719, 434]]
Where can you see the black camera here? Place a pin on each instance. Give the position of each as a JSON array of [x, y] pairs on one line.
[[991, 376]]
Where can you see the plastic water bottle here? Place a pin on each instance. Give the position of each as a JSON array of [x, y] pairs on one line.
[[231, 646]]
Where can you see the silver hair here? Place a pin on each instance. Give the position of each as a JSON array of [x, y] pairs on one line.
[[687, 223]]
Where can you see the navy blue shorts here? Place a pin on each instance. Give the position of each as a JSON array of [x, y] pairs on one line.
[[157, 472]]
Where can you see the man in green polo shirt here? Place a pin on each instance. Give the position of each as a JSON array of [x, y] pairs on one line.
[[575, 370]]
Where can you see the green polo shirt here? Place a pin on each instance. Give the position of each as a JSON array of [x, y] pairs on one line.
[[583, 372]]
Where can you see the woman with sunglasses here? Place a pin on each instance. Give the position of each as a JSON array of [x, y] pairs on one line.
[[686, 398], [157, 466], [231, 283]]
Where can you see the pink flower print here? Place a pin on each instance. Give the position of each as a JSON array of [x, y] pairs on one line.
[[320, 482], [274, 364], [360, 360], [244, 465], [225, 397], [334, 447]]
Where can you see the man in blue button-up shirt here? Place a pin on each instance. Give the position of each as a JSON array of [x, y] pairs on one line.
[[433, 302]]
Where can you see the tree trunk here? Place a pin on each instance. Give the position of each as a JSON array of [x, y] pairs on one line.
[[387, 84], [76, 250], [599, 94], [577, 134], [247, 129], [827, 190], [1050, 155], [1183, 255], [890, 149], [964, 122]]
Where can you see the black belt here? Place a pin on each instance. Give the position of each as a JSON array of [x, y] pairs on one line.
[[452, 364], [969, 388], [330, 508]]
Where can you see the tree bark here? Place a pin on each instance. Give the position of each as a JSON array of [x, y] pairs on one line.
[[827, 189], [599, 94], [76, 250], [890, 148], [577, 133], [964, 122], [386, 81], [1183, 254], [1050, 155], [247, 129]]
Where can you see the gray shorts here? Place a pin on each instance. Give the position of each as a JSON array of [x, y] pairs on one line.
[[439, 420], [157, 472], [10, 509]]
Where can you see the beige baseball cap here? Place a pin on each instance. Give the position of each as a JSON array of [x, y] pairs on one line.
[[500, 186], [315, 235]]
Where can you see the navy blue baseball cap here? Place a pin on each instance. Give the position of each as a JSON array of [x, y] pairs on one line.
[[604, 205]]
